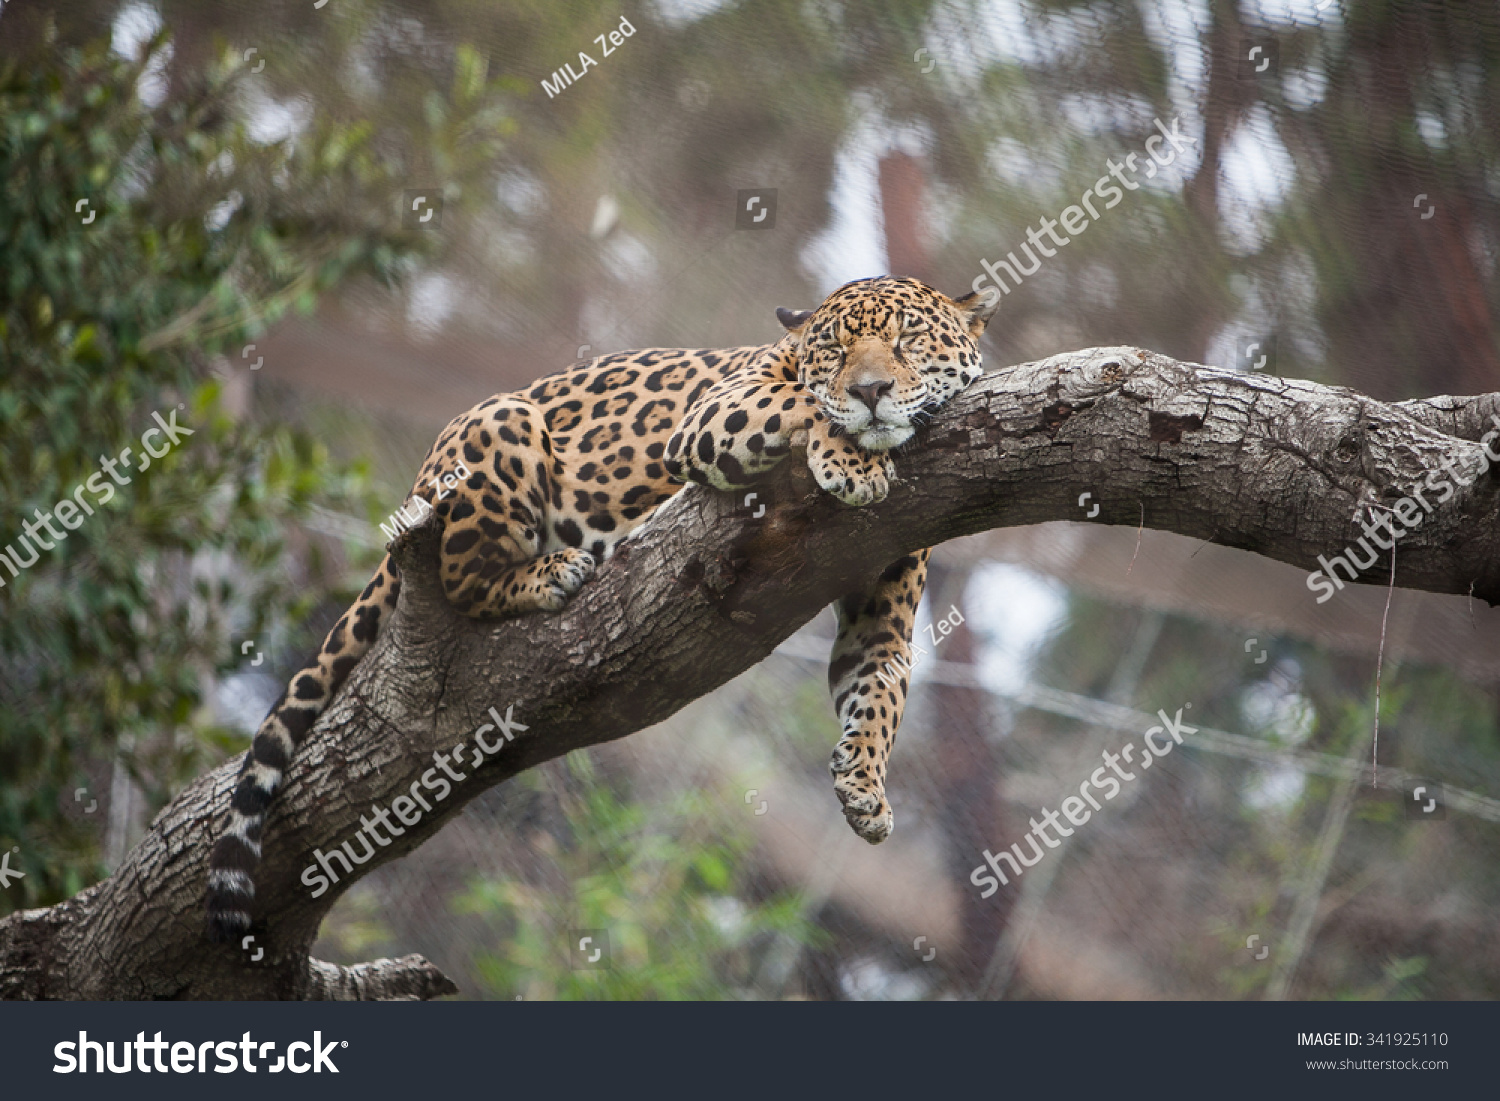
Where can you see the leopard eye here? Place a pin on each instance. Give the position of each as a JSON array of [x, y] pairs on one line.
[[909, 335]]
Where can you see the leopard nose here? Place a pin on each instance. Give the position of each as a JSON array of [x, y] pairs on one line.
[[871, 392]]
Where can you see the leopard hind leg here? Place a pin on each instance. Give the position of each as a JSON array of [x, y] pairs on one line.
[[869, 675]]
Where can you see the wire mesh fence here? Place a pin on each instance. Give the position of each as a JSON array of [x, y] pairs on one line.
[[1304, 189]]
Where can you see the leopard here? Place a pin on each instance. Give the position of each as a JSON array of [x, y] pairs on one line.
[[536, 488]]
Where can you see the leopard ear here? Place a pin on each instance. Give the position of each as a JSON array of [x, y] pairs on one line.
[[792, 320], [977, 309]]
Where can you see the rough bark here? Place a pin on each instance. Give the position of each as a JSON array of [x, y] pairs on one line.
[[707, 589]]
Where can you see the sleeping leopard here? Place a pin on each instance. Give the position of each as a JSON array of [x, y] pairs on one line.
[[555, 476]]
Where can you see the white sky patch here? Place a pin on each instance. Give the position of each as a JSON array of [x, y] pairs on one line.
[[606, 217], [131, 30], [853, 245], [241, 700], [944, 208], [1276, 708], [362, 74], [1015, 166], [728, 915], [520, 192], [1282, 712], [1304, 88], [1013, 611], [432, 300], [679, 13], [870, 980], [1182, 166], [1275, 787], [1098, 285], [272, 120], [1233, 347], [1305, 13], [1087, 113], [1227, 349], [1433, 132], [1176, 28], [218, 216], [1016, 32], [628, 258], [957, 55], [1240, 344], [1255, 176]]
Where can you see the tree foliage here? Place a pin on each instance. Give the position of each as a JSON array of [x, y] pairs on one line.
[[148, 237], [667, 882]]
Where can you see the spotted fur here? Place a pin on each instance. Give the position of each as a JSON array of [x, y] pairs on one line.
[[549, 480]]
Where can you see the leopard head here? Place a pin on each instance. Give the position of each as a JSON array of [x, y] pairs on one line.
[[881, 354]]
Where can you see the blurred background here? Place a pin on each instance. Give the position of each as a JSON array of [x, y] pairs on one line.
[[215, 205]]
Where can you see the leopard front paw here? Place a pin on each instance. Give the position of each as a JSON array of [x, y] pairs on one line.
[[862, 793], [567, 572], [853, 480]]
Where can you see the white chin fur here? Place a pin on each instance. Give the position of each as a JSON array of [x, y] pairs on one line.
[[884, 437]]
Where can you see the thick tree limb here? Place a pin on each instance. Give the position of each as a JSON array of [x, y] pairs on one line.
[[707, 589]]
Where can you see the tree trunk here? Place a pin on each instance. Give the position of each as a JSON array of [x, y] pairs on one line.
[[707, 589]]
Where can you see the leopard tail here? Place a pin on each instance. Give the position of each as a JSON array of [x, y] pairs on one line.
[[237, 853]]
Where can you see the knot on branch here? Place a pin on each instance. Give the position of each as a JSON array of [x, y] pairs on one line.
[[417, 553]]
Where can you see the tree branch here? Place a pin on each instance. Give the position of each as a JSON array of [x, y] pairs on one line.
[[1466, 418], [707, 589], [409, 979]]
